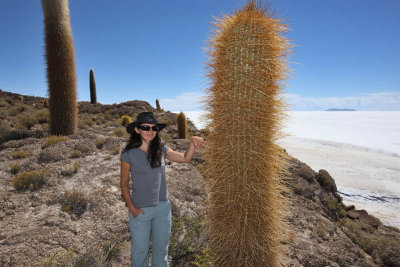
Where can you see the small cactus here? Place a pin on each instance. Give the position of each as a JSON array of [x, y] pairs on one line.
[[61, 75], [158, 105], [45, 103], [243, 163], [93, 96], [182, 126], [125, 120]]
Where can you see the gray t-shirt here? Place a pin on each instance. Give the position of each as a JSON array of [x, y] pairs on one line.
[[149, 184]]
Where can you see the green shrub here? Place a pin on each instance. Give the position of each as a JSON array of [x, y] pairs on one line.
[[108, 157], [30, 179], [74, 202], [20, 154]]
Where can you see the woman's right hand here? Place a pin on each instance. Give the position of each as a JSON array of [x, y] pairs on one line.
[[135, 212]]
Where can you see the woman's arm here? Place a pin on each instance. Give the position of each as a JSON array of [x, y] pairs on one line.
[[124, 182], [195, 143]]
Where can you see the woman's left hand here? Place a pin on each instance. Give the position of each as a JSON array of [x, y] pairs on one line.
[[197, 141]]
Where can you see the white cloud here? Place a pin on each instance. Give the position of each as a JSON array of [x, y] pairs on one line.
[[184, 101], [365, 101]]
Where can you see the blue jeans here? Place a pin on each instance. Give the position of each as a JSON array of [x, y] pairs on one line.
[[157, 222]]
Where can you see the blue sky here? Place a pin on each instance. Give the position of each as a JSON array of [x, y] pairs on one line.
[[346, 56]]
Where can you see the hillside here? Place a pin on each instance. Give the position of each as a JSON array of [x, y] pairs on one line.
[[73, 213]]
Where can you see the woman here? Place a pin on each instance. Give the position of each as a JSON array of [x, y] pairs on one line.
[[149, 207]]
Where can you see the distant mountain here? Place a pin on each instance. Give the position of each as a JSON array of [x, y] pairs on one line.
[[340, 109]]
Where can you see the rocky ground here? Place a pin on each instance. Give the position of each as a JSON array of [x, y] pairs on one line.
[[76, 216]]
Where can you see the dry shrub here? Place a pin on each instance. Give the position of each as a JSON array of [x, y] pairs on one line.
[[100, 143], [74, 202], [19, 154], [71, 169], [244, 166], [30, 179], [26, 121], [15, 168], [76, 154], [119, 132], [99, 255], [52, 139]]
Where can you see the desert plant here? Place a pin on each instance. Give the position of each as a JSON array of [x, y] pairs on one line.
[[182, 125], [14, 168], [7, 133], [125, 120], [93, 97], [71, 170], [119, 132], [246, 67], [115, 151], [61, 75], [158, 105], [52, 139], [26, 121], [19, 154], [42, 116], [76, 154], [100, 143], [45, 103], [74, 201], [30, 179]]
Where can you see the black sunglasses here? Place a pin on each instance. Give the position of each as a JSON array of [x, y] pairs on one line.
[[147, 128]]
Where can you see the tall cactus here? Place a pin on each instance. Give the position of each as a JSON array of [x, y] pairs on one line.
[[246, 67], [61, 75], [182, 125], [93, 96], [158, 105]]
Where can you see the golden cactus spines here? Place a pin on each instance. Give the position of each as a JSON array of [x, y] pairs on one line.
[[182, 126], [60, 60], [246, 67]]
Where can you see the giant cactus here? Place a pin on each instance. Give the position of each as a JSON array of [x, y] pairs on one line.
[[92, 83], [246, 67], [182, 125], [61, 75]]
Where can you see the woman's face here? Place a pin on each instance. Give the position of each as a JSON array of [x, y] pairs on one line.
[[147, 136]]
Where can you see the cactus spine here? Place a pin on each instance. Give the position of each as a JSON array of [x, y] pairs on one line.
[[93, 96], [246, 66], [182, 125], [61, 75], [158, 105]]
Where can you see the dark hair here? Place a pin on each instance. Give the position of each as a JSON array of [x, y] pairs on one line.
[[155, 148]]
